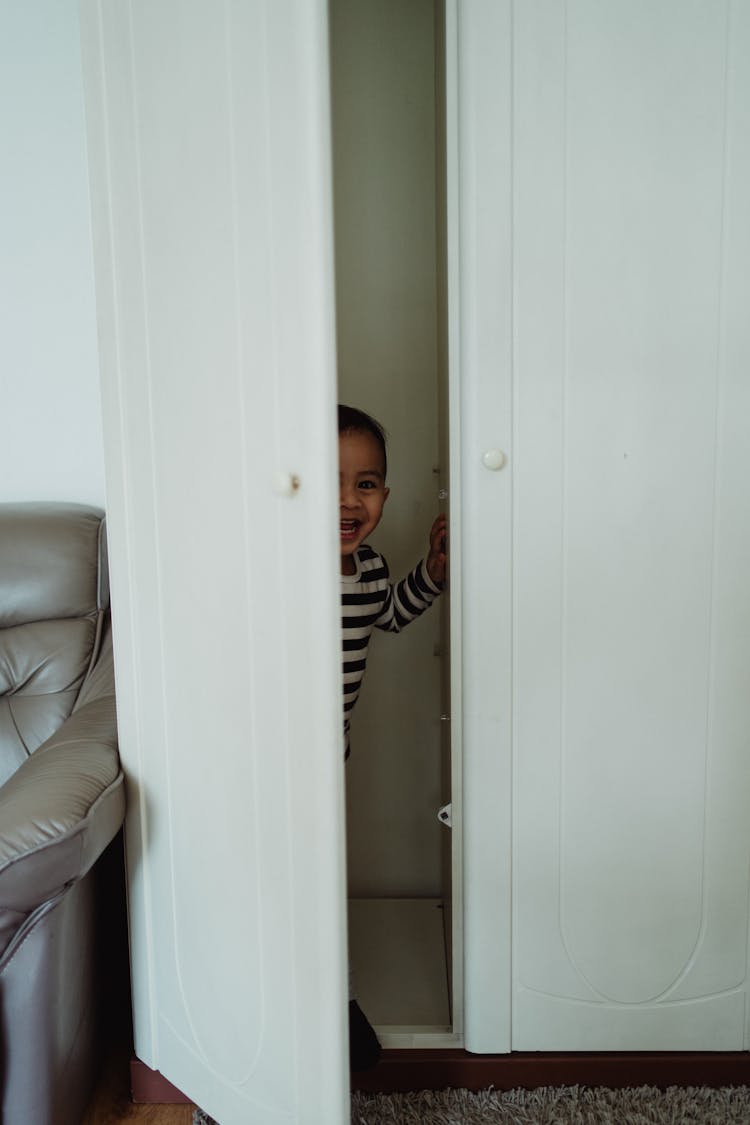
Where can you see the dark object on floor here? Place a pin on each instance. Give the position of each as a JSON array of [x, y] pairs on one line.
[[364, 1049]]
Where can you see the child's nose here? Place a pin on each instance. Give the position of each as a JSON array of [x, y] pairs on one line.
[[348, 496]]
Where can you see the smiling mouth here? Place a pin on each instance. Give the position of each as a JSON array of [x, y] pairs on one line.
[[348, 528]]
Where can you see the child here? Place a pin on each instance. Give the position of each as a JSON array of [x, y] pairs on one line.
[[369, 600]]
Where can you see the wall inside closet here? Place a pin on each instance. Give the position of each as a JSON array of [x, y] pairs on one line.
[[386, 66]]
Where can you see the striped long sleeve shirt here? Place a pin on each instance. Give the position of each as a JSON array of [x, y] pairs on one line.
[[370, 601]]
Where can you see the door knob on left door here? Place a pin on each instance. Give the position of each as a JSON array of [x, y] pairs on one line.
[[286, 484]]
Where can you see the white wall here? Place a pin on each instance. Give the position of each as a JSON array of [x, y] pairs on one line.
[[49, 393]]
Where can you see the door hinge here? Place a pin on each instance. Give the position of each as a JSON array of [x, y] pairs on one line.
[[445, 815]]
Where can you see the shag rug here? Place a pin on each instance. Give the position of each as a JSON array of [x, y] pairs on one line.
[[552, 1105]]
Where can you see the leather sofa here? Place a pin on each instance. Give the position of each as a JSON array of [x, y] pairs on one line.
[[62, 800]]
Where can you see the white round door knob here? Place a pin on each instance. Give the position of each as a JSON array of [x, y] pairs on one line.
[[285, 484], [494, 459]]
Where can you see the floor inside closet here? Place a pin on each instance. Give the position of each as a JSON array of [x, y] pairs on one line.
[[399, 956]]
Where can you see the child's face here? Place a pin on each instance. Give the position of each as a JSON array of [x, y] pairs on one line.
[[362, 492]]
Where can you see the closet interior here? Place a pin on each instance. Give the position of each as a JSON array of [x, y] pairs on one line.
[[388, 124]]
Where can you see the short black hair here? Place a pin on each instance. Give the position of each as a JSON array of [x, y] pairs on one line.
[[356, 421]]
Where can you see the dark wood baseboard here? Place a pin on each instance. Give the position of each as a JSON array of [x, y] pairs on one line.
[[405, 1070]]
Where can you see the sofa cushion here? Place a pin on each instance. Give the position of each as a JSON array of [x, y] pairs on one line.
[[50, 563], [52, 598], [42, 667]]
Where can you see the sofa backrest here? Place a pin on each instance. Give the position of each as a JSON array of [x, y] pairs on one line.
[[53, 596]]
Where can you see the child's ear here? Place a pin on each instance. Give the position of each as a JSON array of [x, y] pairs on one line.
[[386, 494]]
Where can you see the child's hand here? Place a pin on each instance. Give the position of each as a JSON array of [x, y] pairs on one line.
[[437, 560]]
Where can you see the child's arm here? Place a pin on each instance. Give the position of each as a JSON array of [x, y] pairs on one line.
[[408, 599]]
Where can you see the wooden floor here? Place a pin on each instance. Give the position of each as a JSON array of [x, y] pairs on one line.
[[111, 1101]]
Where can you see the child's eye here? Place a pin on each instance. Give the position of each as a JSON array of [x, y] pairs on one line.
[[367, 484]]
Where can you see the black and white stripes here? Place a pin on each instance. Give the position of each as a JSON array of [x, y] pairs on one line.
[[369, 601]]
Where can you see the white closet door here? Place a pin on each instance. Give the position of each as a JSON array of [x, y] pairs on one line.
[[631, 538], [630, 268], [479, 143], [209, 148]]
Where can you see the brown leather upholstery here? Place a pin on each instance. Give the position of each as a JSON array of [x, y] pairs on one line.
[[61, 802]]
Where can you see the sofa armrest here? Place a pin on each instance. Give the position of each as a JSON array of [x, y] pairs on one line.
[[60, 809]]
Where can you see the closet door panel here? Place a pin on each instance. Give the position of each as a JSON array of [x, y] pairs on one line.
[[631, 532], [208, 137], [479, 66]]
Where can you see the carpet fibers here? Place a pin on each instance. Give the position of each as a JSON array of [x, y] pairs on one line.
[[552, 1105]]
